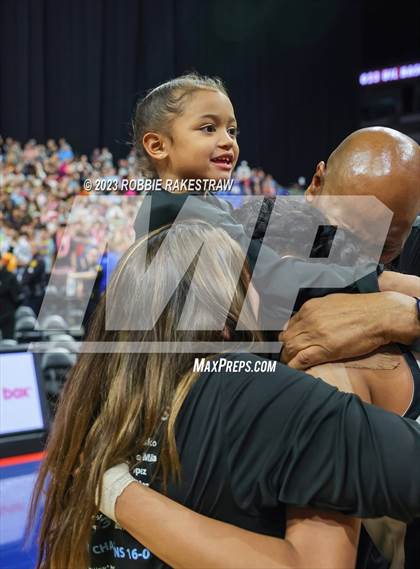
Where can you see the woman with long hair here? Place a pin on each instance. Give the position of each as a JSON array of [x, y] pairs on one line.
[[231, 441]]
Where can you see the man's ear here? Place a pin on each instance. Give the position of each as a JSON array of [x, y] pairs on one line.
[[317, 183], [155, 145]]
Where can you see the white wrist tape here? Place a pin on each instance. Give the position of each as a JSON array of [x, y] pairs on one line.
[[114, 482]]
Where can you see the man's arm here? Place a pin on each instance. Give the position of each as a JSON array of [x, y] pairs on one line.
[[343, 326]]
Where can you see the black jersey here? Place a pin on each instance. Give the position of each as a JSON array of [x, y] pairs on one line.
[[250, 443]]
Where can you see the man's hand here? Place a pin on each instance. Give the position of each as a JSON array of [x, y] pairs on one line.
[[341, 326]]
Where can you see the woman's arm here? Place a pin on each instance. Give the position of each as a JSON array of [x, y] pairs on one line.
[[399, 282], [186, 540], [323, 539]]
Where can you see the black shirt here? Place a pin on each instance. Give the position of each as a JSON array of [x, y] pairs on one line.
[[250, 443]]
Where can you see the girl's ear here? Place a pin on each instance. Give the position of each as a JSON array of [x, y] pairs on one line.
[[155, 146]]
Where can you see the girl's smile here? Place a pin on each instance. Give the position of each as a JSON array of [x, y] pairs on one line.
[[224, 161]]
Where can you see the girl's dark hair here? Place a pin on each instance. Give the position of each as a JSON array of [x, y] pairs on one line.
[[160, 106]]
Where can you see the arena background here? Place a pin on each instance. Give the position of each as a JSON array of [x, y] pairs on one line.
[[74, 69]]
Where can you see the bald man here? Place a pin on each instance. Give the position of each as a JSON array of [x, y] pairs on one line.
[[379, 162], [384, 163]]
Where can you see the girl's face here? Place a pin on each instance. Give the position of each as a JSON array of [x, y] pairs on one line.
[[203, 140]]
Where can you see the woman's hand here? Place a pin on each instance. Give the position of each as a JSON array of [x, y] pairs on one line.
[[114, 482], [399, 282]]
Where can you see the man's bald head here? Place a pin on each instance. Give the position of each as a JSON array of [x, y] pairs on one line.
[[379, 162]]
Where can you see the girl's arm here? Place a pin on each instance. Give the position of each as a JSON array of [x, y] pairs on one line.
[[185, 539]]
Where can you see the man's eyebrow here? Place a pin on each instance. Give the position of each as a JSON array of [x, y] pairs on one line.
[[216, 117]]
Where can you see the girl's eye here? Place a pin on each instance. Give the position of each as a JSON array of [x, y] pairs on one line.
[[208, 128]]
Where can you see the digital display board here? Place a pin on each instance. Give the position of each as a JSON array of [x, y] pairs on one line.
[[20, 397], [387, 74]]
